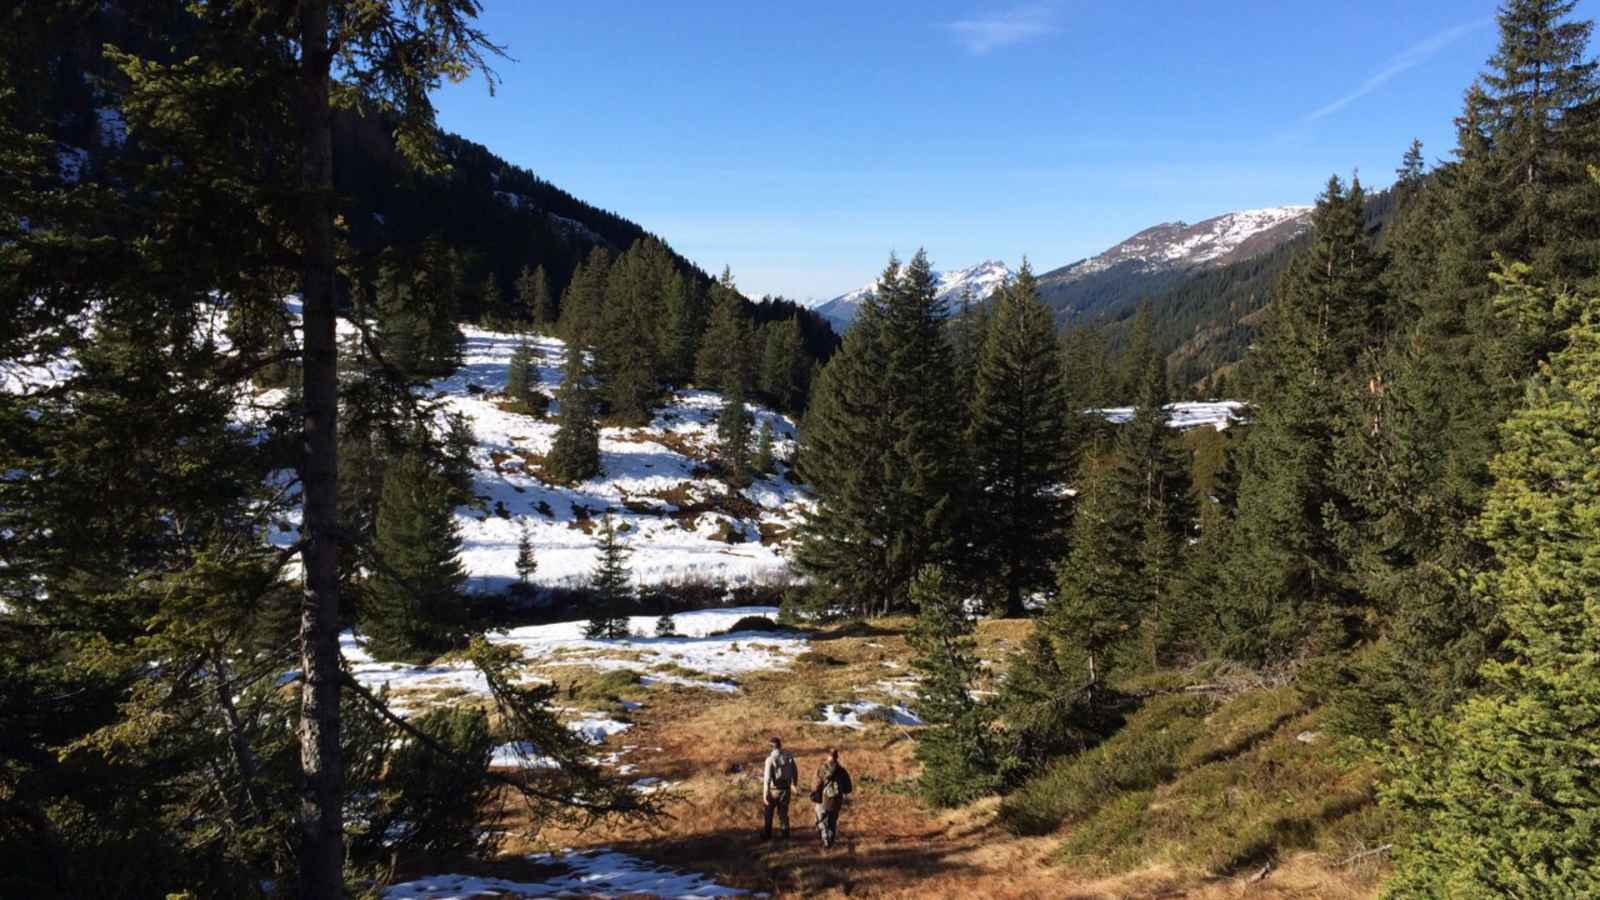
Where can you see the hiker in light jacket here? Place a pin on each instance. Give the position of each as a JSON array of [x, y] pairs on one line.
[[833, 785], [778, 778]]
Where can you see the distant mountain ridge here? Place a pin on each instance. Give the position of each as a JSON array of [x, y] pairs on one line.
[[1154, 260], [984, 279]]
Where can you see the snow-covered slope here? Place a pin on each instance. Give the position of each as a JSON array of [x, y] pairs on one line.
[[984, 279], [1214, 242], [1219, 414], [680, 522]]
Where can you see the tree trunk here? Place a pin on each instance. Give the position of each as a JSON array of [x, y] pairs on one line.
[[322, 794]]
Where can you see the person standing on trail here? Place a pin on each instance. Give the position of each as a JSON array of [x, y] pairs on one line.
[[833, 785], [778, 778]]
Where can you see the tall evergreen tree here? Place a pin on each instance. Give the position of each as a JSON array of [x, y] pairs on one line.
[[610, 587], [414, 606], [961, 755], [784, 374], [1503, 784], [575, 453], [880, 450], [536, 298], [733, 437], [1287, 577], [519, 375], [1094, 617], [627, 342], [725, 356], [527, 563], [1019, 439], [679, 336]]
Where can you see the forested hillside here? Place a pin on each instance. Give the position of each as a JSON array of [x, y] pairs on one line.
[[358, 489]]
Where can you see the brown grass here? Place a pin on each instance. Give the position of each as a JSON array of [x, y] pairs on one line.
[[711, 746]]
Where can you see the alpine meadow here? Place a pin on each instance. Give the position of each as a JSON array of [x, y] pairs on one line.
[[379, 519]]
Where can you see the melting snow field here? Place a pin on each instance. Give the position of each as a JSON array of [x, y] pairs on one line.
[[603, 873], [850, 715], [699, 647], [1219, 414], [653, 483]]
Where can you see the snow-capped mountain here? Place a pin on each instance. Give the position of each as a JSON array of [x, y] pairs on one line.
[[984, 279], [1159, 258], [1215, 242]]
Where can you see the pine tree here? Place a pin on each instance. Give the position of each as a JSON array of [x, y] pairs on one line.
[[1417, 469], [575, 453], [536, 298], [680, 336], [785, 371], [761, 460], [526, 564], [415, 606], [879, 448], [968, 334], [665, 627], [961, 756], [1094, 617], [519, 376], [611, 593], [733, 437], [625, 346], [724, 356], [584, 298], [1287, 576], [1503, 784], [1019, 446]]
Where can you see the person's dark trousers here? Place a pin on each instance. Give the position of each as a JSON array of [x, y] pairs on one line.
[[780, 805]]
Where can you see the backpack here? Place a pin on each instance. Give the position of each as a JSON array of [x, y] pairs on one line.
[[786, 775], [838, 783]]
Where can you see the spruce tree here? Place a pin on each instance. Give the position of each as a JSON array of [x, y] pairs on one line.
[[575, 453], [526, 563], [724, 356], [536, 298], [680, 334], [1418, 469], [733, 437], [879, 449], [1019, 446], [1287, 578], [415, 606], [625, 345], [785, 372], [960, 753], [610, 587], [519, 376], [761, 460], [1503, 784], [1094, 617]]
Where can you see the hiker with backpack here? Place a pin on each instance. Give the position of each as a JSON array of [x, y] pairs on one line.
[[778, 778], [833, 785]]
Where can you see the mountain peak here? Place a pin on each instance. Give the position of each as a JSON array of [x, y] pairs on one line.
[[1176, 246], [984, 279]]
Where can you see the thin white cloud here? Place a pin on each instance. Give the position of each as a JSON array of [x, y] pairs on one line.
[[983, 34], [1410, 58]]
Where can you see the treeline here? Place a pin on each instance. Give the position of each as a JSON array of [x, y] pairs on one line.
[[181, 549], [1406, 529]]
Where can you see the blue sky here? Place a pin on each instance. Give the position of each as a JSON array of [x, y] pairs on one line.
[[800, 143]]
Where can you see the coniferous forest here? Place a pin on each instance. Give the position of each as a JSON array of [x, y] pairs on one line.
[[1351, 637]]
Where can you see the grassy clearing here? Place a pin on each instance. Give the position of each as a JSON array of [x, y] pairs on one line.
[[1194, 789], [1211, 786]]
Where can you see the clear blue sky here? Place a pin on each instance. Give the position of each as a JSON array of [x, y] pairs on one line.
[[801, 142]]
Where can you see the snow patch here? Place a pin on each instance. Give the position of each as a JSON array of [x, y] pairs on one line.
[[849, 715], [599, 873]]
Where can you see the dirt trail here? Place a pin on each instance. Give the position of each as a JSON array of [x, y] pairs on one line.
[[709, 748]]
